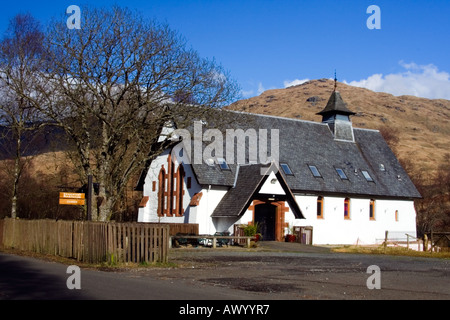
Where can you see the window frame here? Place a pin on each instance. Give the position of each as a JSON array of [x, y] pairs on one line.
[[372, 210], [341, 174], [318, 175], [285, 166], [347, 209], [320, 207], [367, 176], [223, 165], [161, 192]]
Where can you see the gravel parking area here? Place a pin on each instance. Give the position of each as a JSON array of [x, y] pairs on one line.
[[294, 271]]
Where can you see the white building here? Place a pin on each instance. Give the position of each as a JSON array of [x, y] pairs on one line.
[[342, 182]]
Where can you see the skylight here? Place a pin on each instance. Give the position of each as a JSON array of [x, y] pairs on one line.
[[315, 171], [286, 169], [341, 174], [367, 175], [223, 164]]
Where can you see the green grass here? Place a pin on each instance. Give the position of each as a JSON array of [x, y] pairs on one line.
[[391, 251]]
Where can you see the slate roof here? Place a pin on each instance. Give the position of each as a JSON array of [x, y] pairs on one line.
[[303, 143]]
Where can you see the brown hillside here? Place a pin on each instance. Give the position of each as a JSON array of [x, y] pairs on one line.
[[422, 125]]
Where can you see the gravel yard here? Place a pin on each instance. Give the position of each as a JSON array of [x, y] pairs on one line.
[[293, 271]]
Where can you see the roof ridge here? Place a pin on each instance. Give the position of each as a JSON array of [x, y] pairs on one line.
[[366, 129], [272, 116]]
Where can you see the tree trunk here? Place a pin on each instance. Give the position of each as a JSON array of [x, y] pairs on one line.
[[105, 208], [16, 178]]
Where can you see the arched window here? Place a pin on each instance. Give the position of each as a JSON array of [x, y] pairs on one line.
[[372, 209], [319, 207], [171, 191], [347, 208], [179, 192], [161, 192]]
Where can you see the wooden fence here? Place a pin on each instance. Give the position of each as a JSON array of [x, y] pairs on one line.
[[88, 241], [183, 228], [440, 241]]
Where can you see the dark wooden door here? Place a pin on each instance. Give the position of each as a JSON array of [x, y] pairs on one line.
[[265, 217]]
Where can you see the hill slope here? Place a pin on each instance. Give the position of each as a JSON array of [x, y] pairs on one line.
[[422, 125]]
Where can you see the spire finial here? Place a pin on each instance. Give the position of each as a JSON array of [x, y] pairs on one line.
[[335, 80]]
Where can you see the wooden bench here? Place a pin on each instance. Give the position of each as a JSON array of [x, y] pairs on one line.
[[213, 237]]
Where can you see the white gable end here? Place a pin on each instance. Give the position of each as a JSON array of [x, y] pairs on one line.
[[272, 186]]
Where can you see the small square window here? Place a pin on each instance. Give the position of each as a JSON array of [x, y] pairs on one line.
[[287, 170], [341, 174], [315, 171], [223, 164], [367, 175]]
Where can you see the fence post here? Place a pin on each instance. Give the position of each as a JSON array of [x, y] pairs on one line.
[[385, 240]]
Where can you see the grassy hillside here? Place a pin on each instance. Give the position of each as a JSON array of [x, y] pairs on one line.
[[422, 125]]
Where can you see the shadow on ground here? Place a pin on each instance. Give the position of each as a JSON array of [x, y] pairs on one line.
[[22, 278]]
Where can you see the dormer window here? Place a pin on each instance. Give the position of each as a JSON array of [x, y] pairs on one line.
[[223, 164], [367, 176], [315, 172], [286, 169]]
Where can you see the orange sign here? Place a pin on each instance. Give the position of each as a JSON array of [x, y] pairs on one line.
[[76, 202], [71, 195]]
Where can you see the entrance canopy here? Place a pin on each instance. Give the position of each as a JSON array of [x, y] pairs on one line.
[[249, 180]]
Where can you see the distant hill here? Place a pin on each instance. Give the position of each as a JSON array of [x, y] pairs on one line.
[[422, 125]]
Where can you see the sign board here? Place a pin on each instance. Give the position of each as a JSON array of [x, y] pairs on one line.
[[72, 198], [76, 202], [71, 195]]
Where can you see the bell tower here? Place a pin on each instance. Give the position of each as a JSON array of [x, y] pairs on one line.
[[337, 116]]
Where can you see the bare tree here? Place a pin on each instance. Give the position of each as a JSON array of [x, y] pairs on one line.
[[113, 84], [20, 56]]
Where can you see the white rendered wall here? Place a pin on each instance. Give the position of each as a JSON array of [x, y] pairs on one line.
[[332, 229], [359, 229], [200, 214], [210, 199], [149, 212]]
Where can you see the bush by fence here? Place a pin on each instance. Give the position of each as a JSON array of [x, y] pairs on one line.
[[89, 241]]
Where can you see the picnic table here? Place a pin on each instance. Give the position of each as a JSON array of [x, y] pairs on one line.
[[216, 238]]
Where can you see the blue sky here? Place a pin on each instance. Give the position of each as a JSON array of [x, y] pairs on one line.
[[273, 44]]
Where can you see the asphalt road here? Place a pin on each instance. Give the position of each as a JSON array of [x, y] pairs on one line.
[[283, 273], [25, 278]]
